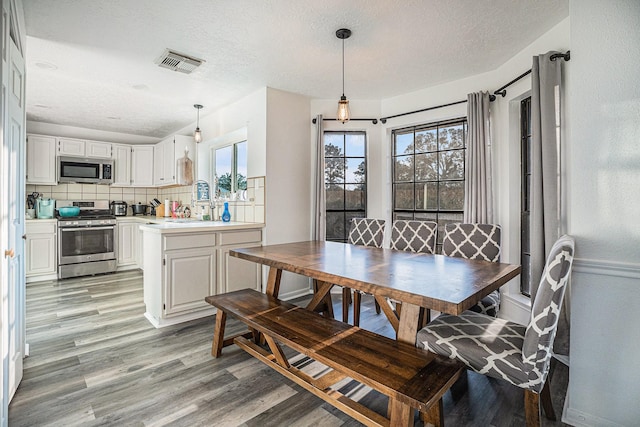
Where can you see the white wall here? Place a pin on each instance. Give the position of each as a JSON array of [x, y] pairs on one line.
[[288, 199], [604, 201]]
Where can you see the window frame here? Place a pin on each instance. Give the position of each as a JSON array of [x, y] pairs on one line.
[[234, 163], [346, 211], [525, 195], [431, 214]]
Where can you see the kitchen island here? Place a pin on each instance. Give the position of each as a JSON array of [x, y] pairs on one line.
[[187, 260]]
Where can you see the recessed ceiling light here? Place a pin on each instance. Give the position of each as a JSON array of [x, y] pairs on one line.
[[46, 65], [114, 118], [42, 106]]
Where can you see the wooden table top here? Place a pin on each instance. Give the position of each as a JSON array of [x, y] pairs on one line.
[[446, 284]]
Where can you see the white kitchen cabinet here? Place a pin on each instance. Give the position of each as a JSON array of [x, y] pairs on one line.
[[159, 163], [96, 149], [142, 165], [235, 273], [165, 155], [190, 275], [121, 165], [185, 265], [40, 250], [180, 271], [127, 243], [41, 160], [71, 147], [140, 250]]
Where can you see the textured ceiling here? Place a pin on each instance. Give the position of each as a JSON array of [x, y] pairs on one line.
[[90, 63]]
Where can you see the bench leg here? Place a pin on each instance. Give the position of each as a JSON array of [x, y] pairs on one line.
[[434, 416], [218, 334], [401, 413]]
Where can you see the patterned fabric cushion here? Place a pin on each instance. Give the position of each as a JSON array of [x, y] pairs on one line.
[[502, 349], [475, 241], [545, 313], [485, 344], [472, 241], [366, 232], [488, 305], [414, 236]]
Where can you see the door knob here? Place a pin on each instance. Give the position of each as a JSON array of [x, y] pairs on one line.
[[9, 253]]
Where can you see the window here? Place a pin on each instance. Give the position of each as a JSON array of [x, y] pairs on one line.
[[428, 173], [231, 168], [525, 209], [345, 178]]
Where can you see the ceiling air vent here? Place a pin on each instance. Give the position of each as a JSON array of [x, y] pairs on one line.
[[178, 61]]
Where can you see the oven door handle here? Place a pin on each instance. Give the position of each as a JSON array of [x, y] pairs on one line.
[[111, 227]]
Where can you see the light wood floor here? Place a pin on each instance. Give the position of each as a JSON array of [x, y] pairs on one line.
[[95, 360]]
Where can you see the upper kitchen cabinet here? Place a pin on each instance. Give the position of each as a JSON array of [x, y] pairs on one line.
[[165, 155], [71, 147], [121, 165], [82, 148], [41, 160], [98, 149], [142, 166], [133, 165]]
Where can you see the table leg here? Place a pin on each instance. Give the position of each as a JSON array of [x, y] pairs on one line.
[[321, 291], [273, 281], [408, 325]]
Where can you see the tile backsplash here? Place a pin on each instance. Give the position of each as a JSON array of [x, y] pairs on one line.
[[249, 210]]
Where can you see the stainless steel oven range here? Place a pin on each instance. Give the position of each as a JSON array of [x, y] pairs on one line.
[[87, 243]]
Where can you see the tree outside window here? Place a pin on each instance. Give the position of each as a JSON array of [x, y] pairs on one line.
[[345, 177], [428, 173], [231, 168]]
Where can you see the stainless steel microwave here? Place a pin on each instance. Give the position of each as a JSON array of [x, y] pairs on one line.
[[82, 170]]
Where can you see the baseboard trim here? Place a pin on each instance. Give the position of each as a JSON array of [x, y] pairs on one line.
[[577, 418], [295, 294]]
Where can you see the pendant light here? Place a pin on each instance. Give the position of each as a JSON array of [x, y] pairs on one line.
[[197, 135], [343, 105]]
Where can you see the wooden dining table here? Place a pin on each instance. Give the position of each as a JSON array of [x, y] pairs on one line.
[[419, 282]]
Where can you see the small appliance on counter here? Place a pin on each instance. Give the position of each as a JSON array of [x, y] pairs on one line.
[[45, 208], [119, 208], [139, 209]]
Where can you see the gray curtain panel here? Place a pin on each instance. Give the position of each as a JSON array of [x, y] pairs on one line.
[[546, 82], [478, 194], [320, 223]]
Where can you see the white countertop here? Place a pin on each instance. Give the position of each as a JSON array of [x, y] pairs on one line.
[[169, 225]]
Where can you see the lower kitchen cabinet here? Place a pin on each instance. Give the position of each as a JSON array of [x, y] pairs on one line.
[[189, 274], [182, 268], [127, 243], [236, 273], [41, 250]]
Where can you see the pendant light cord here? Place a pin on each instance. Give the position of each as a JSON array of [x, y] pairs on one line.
[[342, 67]]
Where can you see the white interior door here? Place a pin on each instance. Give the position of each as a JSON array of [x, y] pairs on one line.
[[13, 203]]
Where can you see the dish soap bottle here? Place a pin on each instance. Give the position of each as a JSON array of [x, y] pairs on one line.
[[226, 216]]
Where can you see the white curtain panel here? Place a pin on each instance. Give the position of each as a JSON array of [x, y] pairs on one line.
[[478, 194], [320, 222], [546, 78]]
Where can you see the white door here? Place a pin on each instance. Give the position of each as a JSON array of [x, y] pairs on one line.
[[13, 207]]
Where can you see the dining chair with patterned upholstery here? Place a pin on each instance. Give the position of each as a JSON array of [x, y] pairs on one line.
[[476, 242], [502, 349], [414, 236], [363, 232]]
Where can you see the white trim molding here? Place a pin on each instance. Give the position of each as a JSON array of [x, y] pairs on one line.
[[606, 268]]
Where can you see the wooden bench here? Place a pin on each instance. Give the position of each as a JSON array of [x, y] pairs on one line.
[[410, 377]]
